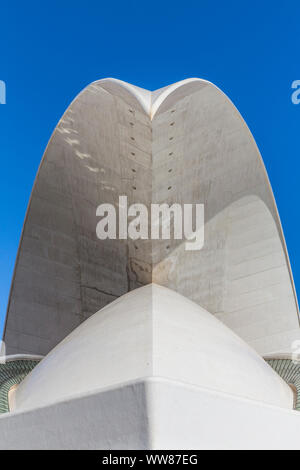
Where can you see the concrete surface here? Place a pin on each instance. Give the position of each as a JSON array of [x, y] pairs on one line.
[[185, 143]]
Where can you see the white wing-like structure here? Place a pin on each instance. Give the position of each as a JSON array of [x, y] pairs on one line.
[[185, 143]]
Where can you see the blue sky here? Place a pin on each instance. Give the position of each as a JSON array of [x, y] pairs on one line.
[[50, 50]]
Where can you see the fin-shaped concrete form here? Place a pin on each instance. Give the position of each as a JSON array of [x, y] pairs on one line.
[[185, 143]]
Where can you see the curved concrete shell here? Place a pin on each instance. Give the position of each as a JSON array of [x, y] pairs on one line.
[[185, 143]]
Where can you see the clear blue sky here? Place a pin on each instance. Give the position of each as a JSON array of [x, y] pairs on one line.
[[50, 50]]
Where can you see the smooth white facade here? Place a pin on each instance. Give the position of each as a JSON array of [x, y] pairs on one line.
[[152, 370], [152, 414]]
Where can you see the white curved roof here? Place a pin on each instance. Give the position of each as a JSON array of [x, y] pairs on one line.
[[185, 143], [151, 332]]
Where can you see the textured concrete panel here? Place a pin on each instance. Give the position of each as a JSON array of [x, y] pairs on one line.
[[185, 143]]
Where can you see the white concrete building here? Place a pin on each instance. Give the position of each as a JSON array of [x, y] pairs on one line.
[[139, 343]]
